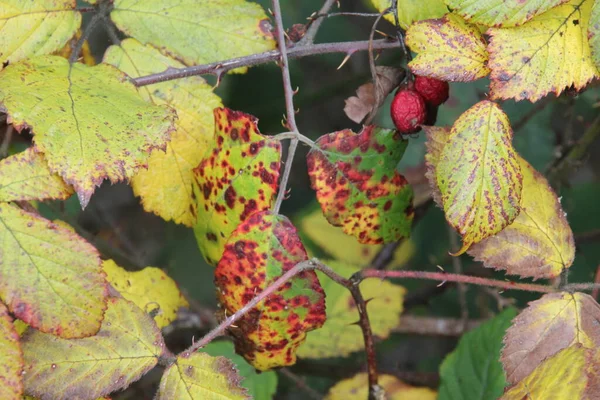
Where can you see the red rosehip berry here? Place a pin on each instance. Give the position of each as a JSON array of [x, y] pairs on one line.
[[434, 91], [408, 111]]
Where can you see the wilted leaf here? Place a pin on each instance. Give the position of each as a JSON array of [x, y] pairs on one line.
[[410, 11], [340, 335], [196, 31], [449, 49], [166, 186], [546, 326], [437, 137], [150, 289], [472, 371], [237, 178], [539, 243], [258, 252], [26, 176], [11, 359], [357, 388], [49, 276], [357, 185], [478, 174], [126, 347], [200, 376], [34, 28], [556, 54]]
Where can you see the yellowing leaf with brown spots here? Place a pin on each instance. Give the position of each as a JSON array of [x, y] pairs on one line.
[[11, 359], [448, 48], [259, 251], [340, 335], [539, 242], [547, 54], [545, 327], [166, 186], [238, 177], [126, 347], [357, 185], [151, 289], [594, 33], [26, 176], [33, 28], [201, 376], [410, 11], [49, 276], [437, 137], [478, 174], [357, 388], [84, 147]]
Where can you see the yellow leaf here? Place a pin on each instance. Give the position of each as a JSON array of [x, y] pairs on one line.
[[126, 347], [200, 376], [449, 48], [340, 336], [410, 11], [547, 54], [35, 28], [594, 33], [150, 289], [356, 388], [437, 137], [166, 186], [20, 326], [11, 359], [539, 243]]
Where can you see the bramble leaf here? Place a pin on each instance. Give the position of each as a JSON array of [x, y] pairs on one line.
[[199, 376], [357, 185], [196, 31], [49, 276], [11, 359], [478, 174], [151, 289], [554, 56], [26, 176], [410, 11], [594, 33], [84, 147], [237, 178], [259, 251], [449, 49], [545, 327], [166, 186], [35, 28], [126, 347], [357, 388], [437, 137], [340, 335]]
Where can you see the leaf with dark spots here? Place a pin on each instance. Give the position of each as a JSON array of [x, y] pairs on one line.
[[358, 186], [258, 252], [239, 177], [11, 359]]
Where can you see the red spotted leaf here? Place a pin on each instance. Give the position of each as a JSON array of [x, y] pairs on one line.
[[237, 178], [358, 186], [258, 252]]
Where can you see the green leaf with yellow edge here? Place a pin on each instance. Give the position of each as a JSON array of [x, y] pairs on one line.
[[151, 289], [126, 347], [554, 56], [358, 186], [448, 48], [49, 276], [166, 186], [546, 326], [340, 335], [26, 176], [35, 27], [501, 13], [54, 99], [11, 359], [196, 31], [410, 11], [237, 178], [198, 376], [539, 243], [478, 174], [357, 388], [594, 33], [259, 251]]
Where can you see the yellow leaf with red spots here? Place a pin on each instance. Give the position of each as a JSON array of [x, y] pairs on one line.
[[357, 388], [11, 359], [237, 178], [258, 252], [357, 185]]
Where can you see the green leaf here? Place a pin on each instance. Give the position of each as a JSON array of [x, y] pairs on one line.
[[473, 370], [358, 186], [90, 122], [260, 386], [410, 11], [196, 31], [11, 359], [49, 276], [594, 33]]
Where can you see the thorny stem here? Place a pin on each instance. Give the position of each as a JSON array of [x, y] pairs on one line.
[[312, 30], [103, 9], [458, 269], [295, 135], [374, 76]]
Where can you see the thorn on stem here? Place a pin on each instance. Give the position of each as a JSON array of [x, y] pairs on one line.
[[441, 284], [344, 61]]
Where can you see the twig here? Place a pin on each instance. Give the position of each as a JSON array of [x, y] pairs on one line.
[[293, 135], [312, 393], [587, 237], [111, 31], [312, 30], [434, 326], [374, 76], [8, 133], [458, 269], [102, 11], [537, 107], [86, 9], [345, 14]]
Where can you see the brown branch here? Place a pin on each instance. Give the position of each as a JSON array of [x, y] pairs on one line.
[[312, 30], [434, 326], [301, 384]]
